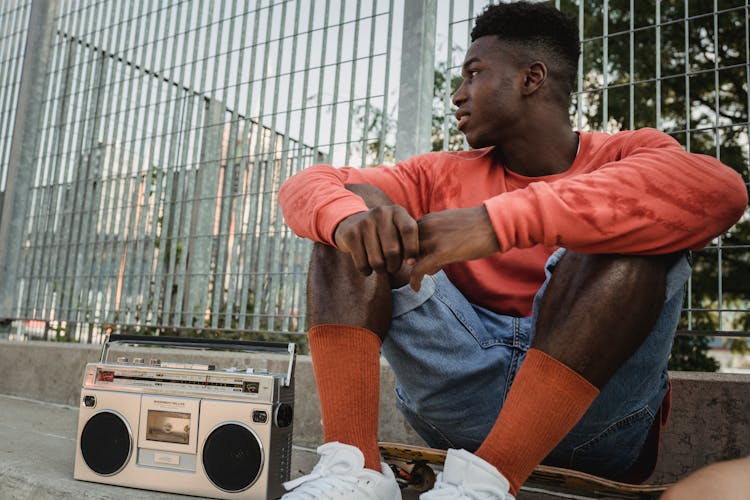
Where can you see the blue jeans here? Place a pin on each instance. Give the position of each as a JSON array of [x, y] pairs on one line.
[[454, 363]]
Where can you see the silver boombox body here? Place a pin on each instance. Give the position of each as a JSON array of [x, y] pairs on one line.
[[185, 427]]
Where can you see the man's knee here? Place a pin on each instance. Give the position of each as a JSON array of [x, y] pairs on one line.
[[598, 309], [337, 293], [615, 272]]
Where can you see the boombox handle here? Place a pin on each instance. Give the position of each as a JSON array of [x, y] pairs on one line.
[[216, 344]]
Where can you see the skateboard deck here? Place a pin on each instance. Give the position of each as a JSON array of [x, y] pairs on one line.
[[415, 467]]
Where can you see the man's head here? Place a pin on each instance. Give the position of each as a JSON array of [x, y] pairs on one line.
[[519, 69], [538, 31]]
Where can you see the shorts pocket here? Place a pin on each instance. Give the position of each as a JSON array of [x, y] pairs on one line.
[[612, 452]]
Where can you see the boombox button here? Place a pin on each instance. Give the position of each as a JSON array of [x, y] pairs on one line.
[[260, 417], [89, 401]]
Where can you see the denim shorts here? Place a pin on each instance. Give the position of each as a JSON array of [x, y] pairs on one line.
[[454, 363]]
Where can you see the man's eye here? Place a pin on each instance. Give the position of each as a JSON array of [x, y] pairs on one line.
[[473, 73]]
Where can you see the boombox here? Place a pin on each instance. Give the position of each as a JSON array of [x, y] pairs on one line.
[[186, 427]]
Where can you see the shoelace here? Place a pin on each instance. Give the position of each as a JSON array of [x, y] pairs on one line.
[[321, 481]]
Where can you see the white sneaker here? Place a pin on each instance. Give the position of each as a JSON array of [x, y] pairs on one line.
[[340, 473], [466, 476]]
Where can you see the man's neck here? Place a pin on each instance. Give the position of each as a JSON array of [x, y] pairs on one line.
[[542, 150]]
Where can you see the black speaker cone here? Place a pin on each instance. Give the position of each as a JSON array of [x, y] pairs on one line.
[[232, 457], [106, 443]]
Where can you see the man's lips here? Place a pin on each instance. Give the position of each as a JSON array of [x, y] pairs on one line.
[[462, 119]]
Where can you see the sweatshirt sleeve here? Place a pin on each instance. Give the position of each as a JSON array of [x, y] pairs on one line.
[[655, 198], [315, 200]]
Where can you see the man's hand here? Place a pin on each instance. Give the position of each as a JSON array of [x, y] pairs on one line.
[[452, 236], [381, 239]]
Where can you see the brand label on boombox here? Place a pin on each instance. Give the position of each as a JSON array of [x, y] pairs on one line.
[[211, 433]]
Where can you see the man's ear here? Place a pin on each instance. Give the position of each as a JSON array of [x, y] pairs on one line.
[[534, 77]]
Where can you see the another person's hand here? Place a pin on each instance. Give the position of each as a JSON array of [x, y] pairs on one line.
[[380, 240], [452, 236]]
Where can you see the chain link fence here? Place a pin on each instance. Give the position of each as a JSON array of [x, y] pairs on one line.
[[143, 143]]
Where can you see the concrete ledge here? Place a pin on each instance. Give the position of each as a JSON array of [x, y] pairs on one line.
[[710, 421], [52, 371], [710, 417]]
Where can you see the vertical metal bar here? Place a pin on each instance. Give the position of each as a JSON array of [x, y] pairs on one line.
[[144, 146], [95, 157], [55, 141], [447, 87], [417, 78], [80, 174], [747, 77], [129, 237], [89, 155], [120, 167], [236, 147], [204, 208], [717, 140], [67, 131], [11, 81], [184, 191], [69, 175], [30, 279], [266, 160], [172, 126], [300, 246], [687, 138], [321, 80], [605, 65], [276, 299], [288, 165], [579, 111], [150, 231], [253, 133], [366, 124], [128, 181], [197, 276], [24, 144], [226, 200], [107, 278], [657, 97], [353, 79], [386, 85], [335, 99], [631, 84]]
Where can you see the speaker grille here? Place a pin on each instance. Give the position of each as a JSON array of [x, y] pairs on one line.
[[232, 457], [106, 443]]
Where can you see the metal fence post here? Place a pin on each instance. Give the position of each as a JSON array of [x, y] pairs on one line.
[[417, 78], [24, 144]]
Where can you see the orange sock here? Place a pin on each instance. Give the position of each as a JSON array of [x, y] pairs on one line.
[[545, 402], [346, 362]]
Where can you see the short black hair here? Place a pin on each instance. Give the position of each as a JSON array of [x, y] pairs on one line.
[[534, 25]]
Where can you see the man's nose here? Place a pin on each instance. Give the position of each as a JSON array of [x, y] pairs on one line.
[[460, 95]]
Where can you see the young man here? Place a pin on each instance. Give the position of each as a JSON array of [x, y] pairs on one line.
[[547, 258]]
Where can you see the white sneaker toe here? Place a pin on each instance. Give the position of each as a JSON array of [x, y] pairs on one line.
[[465, 476], [340, 474]]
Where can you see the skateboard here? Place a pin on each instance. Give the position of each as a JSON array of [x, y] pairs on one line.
[[416, 466]]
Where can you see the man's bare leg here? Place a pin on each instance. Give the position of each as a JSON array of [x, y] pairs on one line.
[[349, 315], [595, 313], [598, 309]]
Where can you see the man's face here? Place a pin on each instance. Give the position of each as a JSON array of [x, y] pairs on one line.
[[489, 97]]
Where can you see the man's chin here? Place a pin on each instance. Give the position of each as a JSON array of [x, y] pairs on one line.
[[476, 142]]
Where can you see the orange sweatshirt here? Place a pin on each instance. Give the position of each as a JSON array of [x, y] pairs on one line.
[[634, 192]]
